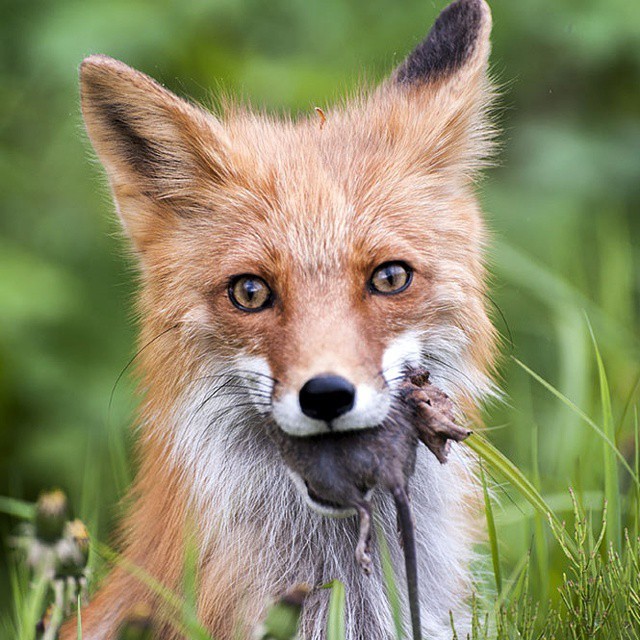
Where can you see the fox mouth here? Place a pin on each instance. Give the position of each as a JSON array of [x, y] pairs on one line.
[[316, 503], [316, 498]]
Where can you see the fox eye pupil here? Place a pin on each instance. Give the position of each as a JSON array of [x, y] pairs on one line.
[[390, 278], [251, 289], [250, 293]]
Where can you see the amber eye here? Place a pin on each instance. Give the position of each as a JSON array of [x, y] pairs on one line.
[[250, 293], [390, 278]]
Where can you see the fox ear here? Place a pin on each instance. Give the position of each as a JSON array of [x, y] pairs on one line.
[[153, 145], [455, 50], [445, 94]]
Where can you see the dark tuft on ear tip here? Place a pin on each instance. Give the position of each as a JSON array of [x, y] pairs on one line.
[[450, 44]]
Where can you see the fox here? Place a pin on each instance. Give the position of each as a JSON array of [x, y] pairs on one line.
[[290, 269]]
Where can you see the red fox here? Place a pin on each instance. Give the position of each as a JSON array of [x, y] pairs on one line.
[[291, 270]]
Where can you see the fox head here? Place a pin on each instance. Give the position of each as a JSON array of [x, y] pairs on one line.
[[315, 258]]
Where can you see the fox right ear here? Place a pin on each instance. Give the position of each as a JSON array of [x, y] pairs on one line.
[[446, 94], [153, 145]]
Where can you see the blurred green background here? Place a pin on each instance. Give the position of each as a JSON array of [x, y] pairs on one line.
[[564, 205]]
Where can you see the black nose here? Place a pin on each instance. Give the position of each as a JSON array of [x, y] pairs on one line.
[[326, 397]]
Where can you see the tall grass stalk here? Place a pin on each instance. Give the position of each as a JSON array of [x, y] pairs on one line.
[[611, 481], [491, 530], [336, 629]]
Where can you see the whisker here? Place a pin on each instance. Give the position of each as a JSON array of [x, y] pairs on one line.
[[236, 377], [243, 394], [257, 373], [204, 402], [233, 383], [239, 405], [496, 306], [234, 407], [402, 376], [223, 387], [399, 364], [230, 376], [133, 359], [241, 387]]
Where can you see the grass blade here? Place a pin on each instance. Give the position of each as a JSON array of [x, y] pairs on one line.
[[636, 463], [390, 583], [33, 606], [584, 417], [540, 541], [499, 463], [611, 481], [79, 619], [336, 629], [491, 529], [513, 580], [17, 508]]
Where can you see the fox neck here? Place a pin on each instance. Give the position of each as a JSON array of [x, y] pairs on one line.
[[252, 520]]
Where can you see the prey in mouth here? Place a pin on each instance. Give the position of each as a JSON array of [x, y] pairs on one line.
[[339, 471]]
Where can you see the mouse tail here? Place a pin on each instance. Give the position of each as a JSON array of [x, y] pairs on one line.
[[407, 529]]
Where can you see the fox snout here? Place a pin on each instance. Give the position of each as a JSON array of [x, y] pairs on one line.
[[342, 398], [352, 394], [330, 402]]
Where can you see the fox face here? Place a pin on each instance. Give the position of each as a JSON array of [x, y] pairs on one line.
[[361, 233], [293, 269]]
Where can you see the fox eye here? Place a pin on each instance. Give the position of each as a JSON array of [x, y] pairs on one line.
[[250, 293], [390, 278]]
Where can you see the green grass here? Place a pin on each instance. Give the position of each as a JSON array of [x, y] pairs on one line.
[[336, 616]]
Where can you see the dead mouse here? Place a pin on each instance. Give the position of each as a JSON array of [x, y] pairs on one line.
[[342, 468]]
